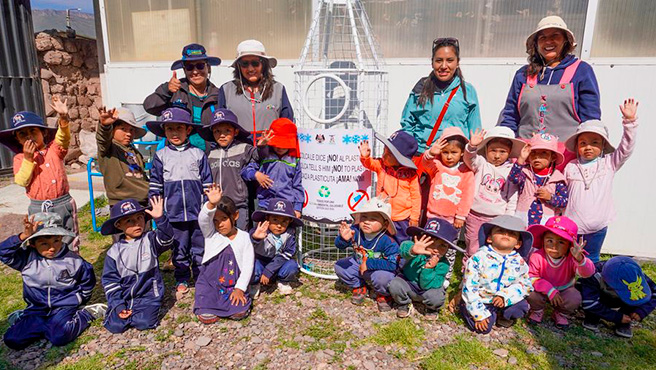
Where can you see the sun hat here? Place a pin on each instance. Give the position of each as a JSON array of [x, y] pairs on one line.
[[285, 135], [511, 223], [49, 224], [126, 115], [171, 115], [546, 141], [453, 131], [625, 276], [254, 47], [21, 120], [222, 115], [559, 225], [502, 132], [379, 206], [552, 21], [438, 228], [119, 210], [194, 52], [402, 145], [278, 207], [594, 126]]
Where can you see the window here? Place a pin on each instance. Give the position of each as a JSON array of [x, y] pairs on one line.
[[625, 29]]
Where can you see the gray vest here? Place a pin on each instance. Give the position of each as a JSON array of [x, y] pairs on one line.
[[253, 115]]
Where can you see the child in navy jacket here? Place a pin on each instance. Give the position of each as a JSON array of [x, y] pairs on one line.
[[274, 240], [375, 256], [180, 173], [131, 278], [56, 281]]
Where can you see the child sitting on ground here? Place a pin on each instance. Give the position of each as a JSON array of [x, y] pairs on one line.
[[559, 259], [375, 253], [542, 188], [39, 165], [274, 240], [180, 173], [230, 154], [590, 176], [56, 282], [619, 292], [221, 287], [279, 169], [131, 278], [425, 268], [397, 179], [496, 280]]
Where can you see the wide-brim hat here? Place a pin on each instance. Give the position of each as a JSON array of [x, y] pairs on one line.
[[256, 48], [171, 115], [376, 205], [559, 225], [194, 52], [552, 21], [49, 224], [126, 115], [509, 223], [119, 210], [22, 120], [502, 132], [594, 126], [546, 141], [278, 207], [438, 228], [285, 135], [627, 279], [222, 115], [453, 131], [402, 145]]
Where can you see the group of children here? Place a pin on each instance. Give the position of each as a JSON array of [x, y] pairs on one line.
[[199, 204]]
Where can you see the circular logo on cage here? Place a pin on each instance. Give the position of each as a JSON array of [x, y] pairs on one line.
[[355, 198], [324, 192]]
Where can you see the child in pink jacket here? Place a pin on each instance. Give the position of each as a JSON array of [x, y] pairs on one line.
[[553, 269]]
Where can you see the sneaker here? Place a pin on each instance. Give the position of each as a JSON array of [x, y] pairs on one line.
[[254, 291], [624, 331], [560, 320], [207, 318], [284, 288], [592, 326], [431, 315], [384, 303], [405, 311], [358, 295], [505, 323], [182, 287], [97, 310], [14, 316], [535, 316]]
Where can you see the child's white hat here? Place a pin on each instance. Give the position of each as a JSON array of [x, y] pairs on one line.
[[594, 126], [379, 206], [502, 132]]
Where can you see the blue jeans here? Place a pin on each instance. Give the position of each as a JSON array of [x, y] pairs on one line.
[[594, 241]]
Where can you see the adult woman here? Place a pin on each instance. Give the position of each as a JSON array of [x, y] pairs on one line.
[[253, 95], [195, 91], [555, 91]]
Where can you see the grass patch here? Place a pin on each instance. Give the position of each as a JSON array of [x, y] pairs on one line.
[[326, 334], [459, 354], [401, 334]]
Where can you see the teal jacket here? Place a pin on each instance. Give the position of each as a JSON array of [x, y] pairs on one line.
[[414, 270], [418, 121]]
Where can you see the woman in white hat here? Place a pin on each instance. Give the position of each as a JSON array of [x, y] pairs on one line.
[[254, 95], [556, 90]]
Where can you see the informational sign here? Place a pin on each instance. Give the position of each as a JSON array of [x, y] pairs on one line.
[[334, 179]]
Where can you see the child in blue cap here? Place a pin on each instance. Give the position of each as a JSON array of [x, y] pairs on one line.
[[619, 292]]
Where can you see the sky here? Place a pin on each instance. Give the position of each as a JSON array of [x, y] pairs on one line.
[[85, 5]]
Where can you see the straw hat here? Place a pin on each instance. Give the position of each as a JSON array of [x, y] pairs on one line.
[[552, 21], [254, 47]]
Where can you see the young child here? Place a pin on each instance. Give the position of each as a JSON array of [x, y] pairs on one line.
[[274, 240], [375, 253], [122, 166], [559, 259], [278, 172], [397, 179], [180, 173], [619, 292], [496, 280], [39, 165], [56, 282], [131, 278], [230, 153], [590, 176], [221, 288], [542, 188], [425, 269]]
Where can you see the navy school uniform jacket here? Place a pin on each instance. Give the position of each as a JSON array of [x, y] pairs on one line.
[[227, 164], [48, 283], [382, 250], [266, 248], [180, 175], [131, 274]]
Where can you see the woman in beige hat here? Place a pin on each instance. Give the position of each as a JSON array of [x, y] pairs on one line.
[[556, 91]]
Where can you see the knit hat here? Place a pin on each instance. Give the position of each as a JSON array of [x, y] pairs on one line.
[[546, 141], [119, 210], [49, 224], [256, 48], [403, 147], [222, 115], [379, 206], [552, 21], [278, 207], [502, 132], [438, 228], [194, 52], [21, 120], [628, 280], [594, 126], [559, 225], [511, 223], [171, 115], [285, 136]]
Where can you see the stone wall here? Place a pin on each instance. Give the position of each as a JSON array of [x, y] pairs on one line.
[[69, 68]]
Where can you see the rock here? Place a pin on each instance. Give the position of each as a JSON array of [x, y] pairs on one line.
[[84, 111], [77, 166], [46, 74], [51, 121], [57, 42], [91, 63], [501, 352], [93, 112], [512, 360], [53, 57], [56, 89], [73, 155], [73, 113], [369, 365], [256, 340], [78, 61], [178, 333], [596, 354], [84, 100], [70, 46], [66, 59], [43, 44], [203, 341]]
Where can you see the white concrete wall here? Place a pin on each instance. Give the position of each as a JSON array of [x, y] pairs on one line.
[[633, 194]]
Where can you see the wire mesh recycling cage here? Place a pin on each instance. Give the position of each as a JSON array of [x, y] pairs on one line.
[[339, 82]]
